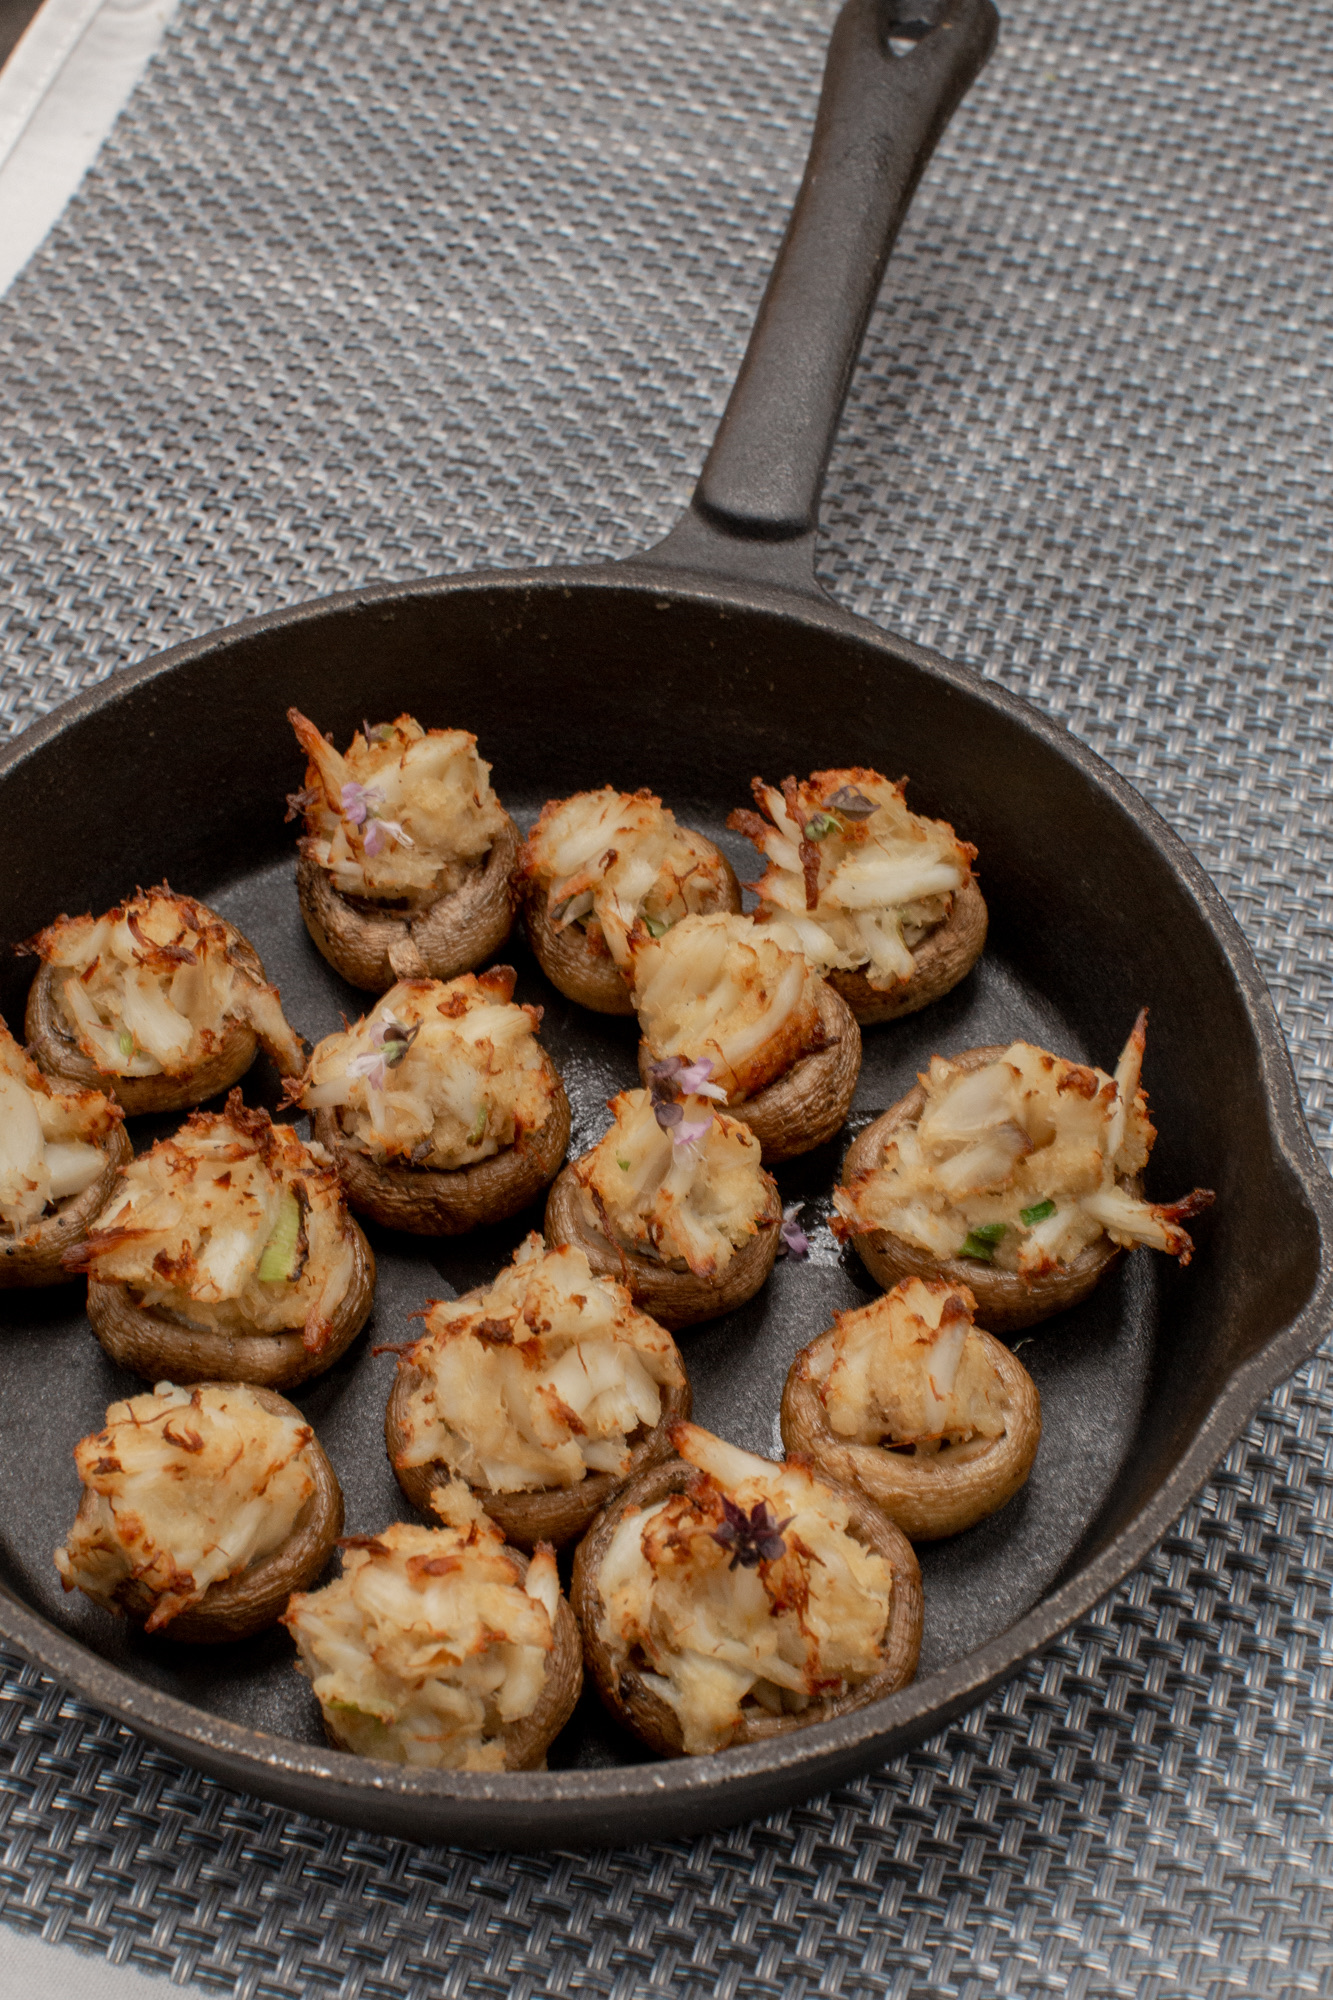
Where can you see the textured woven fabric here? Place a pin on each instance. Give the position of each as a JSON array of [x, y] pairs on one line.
[[384, 290]]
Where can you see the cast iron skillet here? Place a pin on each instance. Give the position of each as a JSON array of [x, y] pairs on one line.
[[689, 669]]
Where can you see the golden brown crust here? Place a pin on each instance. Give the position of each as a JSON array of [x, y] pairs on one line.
[[1005, 1301], [426, 1201], [374, 949], [55, 1050], [155, 1347], [633, 1703], [944, 957], [527, 1740], [554, 1514], [33, 1258], [671, 1295], [243, 1605], [578, 963], [930, 1495], [809, 1102]]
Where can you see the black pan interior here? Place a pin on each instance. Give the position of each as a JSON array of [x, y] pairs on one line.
[[571, 684]]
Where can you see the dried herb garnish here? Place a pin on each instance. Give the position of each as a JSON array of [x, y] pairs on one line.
[[752, 1538]]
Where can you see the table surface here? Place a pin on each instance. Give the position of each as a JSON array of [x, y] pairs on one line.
[[355, 292]]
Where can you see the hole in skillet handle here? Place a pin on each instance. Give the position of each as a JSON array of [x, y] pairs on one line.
[[906, 23]]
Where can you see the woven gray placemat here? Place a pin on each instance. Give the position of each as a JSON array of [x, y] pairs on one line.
[[360, 291]]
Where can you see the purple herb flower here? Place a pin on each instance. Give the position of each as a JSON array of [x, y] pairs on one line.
[[851, 803], [380, 829], [359, 801], [693, 1077], [390, 1042], [686, 1132], [752, 1538], [795, 1242]]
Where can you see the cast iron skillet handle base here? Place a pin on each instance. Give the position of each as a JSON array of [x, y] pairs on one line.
[[895, 73]]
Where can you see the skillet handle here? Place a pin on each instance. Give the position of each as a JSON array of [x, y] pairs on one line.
[[756, 507]]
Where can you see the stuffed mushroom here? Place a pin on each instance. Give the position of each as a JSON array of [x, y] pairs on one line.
[[406, 863], [545, 1392], [203, 1509], [884, 902], [228, 1255], [1015, 1173], [782, 1045], [441, 1108], [440, 1647], [161, 1003], [725, 1599], [936, 1422], [673, 1200], [597, 864], [59, 1151]]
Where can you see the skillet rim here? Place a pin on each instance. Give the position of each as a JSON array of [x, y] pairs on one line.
[[600, 1806]]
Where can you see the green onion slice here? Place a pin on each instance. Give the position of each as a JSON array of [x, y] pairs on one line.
[[623, 1165], [278, 1263], [125, 1043], [475, 1136], [656, 927], [1037, 1213], [980, 1243]]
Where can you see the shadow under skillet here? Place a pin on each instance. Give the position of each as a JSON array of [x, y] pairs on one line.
[[1091, 1365]]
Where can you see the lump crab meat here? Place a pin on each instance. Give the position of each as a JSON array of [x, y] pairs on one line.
[[440, 1647], [545, 1392]]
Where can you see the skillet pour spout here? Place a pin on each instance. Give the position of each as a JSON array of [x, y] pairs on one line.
[[1096, 909]]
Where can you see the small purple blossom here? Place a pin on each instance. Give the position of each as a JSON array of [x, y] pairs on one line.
[[752, 1538], [372, 1066], [693, 1077], [359, 801], [390, 1042], [379, 830], [688, 1131], [851, 803], [360, 808], [795, 1242]]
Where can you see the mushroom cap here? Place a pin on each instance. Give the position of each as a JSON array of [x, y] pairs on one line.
[[808, 1103], [374, 948], [554, 1514], [944, 957], [55, 1049], [239, 1606], [430, 1201], [527, 1739], [936, 1494], [627, 1694], [34, 1257], [1005, 1301], [158, 1348], [672, 1294], [579, 965]]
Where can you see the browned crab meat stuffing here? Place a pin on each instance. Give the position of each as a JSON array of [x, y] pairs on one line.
[[859, 878], [905, 1398], [537, 1381], [434, 1648], [152, 988], [439, 1074], [1021, 1164], [233, 1226], [722, 990], [745, 1591], [607, 860], [184, 1489], [52, 1142], [674, 1178], [404, 817]]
